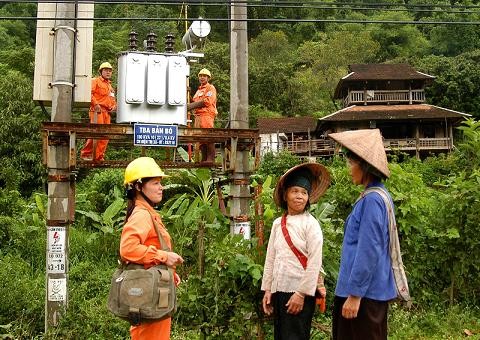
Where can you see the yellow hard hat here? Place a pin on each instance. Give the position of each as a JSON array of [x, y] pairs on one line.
[[105, 64], [142, 167], [205, 72]]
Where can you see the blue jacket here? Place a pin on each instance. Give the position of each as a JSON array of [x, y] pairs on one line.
[[365, 266]]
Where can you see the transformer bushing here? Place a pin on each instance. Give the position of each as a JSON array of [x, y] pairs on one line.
[[169, 43], [151, 42], [133, 41]]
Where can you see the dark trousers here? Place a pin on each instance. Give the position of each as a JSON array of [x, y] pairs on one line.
[[289, 326], [370, 323]]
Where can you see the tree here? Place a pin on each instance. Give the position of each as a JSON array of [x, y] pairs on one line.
[[320, 65], [20, 151], [456, 85], [398, 41]]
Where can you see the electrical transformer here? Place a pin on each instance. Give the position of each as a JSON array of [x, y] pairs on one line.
[[152, 88]]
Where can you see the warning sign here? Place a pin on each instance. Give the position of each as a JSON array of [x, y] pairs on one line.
[[56, 239], [57, 289], [242, 228]]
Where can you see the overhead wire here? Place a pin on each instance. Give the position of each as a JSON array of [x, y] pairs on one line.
[[270, 4], [276, 5], [266, 20]]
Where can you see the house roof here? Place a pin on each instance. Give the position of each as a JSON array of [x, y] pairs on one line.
[[379, 72], [392, 112], [286, 124], [384, 72]]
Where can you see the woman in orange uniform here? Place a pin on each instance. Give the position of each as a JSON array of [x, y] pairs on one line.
[[139, 242]]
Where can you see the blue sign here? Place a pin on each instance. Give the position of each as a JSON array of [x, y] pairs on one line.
[[155, 135]]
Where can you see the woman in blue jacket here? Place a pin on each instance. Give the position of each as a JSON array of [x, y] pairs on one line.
[[365, 280]]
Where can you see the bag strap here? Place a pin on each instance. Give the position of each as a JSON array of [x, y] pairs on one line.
[[301, 257], [163, 244], [394, 246]]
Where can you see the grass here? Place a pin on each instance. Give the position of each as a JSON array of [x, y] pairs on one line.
[[419, 323]]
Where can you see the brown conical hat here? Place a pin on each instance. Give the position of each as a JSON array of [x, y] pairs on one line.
[[320, 182], [366, 144]]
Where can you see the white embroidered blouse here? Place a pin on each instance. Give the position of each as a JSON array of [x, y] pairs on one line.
[[283, 272]]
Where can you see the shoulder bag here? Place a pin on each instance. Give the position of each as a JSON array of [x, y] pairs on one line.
[[143, 295], [403, 293]]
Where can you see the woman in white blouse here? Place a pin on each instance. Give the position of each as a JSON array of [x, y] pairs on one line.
[[294, 253]]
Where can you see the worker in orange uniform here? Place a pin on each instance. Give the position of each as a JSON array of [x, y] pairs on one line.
[[102, 104], [139, 242], [204, 104]]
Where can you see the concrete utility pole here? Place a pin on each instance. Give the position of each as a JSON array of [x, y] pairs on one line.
[[61, 184], [239, 117]]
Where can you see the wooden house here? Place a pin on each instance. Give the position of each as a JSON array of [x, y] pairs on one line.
[[296, 134], [391, 97]]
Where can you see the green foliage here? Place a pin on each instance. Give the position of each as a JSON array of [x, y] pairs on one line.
[[22, 291], [19, 131], [456, 86], [469, 149], [277, 164], [100, 190], [433, 322], [226, 296], [451, 40], [398, 41], [111, 218]]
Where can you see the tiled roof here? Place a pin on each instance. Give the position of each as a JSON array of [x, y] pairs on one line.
[[379, 72], [384, 72], [286, 124], [392, 112]]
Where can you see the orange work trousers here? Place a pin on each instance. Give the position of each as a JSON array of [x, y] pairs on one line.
[[157, 330], [87, 151]]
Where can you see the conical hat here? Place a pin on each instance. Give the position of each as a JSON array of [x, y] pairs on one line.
[[320, 182], [366, 144]]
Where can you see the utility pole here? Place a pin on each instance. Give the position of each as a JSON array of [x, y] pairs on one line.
[[61, 183], [240, 187]]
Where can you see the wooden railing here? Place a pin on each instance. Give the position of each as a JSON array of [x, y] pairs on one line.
[[423, 144], [315, 146], [380, 96], [327, 146]]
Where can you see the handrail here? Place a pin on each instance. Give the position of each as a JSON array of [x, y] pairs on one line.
[[384, 96]]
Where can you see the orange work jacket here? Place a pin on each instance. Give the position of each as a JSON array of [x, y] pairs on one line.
[[208, 94], [102, 94], [139, 242]]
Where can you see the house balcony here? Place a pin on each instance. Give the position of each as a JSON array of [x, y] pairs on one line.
[[423, 144], [310, 147], [325, 147], [384, 97]]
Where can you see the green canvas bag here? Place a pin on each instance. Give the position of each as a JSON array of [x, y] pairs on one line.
[[143, 295]]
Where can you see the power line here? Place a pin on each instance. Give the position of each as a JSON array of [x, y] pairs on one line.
[[269, 4], [267, 20]]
